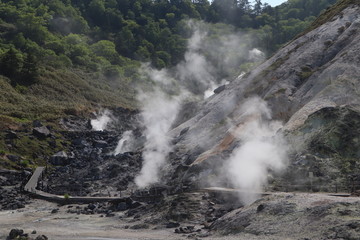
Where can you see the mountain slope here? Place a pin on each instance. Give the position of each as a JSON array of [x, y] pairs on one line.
[[311, 85]]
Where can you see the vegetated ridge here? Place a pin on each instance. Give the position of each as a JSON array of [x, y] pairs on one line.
[[71, 57]]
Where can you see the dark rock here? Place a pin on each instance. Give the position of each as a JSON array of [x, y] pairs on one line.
[[122, 206], [33, 232], [14, 158], [91, 206], [41, 132], [140, 226], [41, 237], [80, 142], [55, 210], [135, 205], [110, 214], [219, 89], [185, 130], [11, 135], [354, 225], [14, 233], [172, 225], [100, 144], [260, 208], [37, 123]]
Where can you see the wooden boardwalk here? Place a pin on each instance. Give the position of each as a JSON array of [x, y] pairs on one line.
[[31, 185], [239, 191]]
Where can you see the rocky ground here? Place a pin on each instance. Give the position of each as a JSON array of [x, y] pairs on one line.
[[11, 196], [318, 102], [279, 216]]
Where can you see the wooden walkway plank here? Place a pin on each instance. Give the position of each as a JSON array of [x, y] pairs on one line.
[[32, 184]]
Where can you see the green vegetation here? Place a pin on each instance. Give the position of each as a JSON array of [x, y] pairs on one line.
[[60, 57], [329, 13], [31, 151], [305, 73]]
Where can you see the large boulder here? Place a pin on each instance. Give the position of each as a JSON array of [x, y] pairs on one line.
[[41, 132], [15, 233]]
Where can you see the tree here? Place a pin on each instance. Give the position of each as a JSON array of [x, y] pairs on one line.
[[257, 7], [11, 64], [106, 49], [30, 70]]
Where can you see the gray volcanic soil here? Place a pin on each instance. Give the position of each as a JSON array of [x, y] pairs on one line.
[[279, 216], [312, 85]]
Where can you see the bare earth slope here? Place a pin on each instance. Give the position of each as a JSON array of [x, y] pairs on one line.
[[311, 85]]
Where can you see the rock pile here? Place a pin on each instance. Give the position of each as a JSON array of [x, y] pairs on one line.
[[20, 234], [90, 167], [11, 199], [104, 208], [11, 196]]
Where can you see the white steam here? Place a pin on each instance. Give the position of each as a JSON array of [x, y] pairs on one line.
[[102, 120], [261, 151], [256, 55], [212, 53], [126, 143], [158, 113], [195, 72]]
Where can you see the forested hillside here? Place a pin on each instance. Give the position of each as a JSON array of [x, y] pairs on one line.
[[60, 56]]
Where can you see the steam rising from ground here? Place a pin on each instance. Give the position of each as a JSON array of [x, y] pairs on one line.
[[158, 113], [126, 143], [195, 72], [262, 150], [206, 60], [102, 120]]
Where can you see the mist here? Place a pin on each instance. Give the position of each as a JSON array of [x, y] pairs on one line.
[[212, 54], [103, 118], [158, 113], [126, 143], [262, 151]]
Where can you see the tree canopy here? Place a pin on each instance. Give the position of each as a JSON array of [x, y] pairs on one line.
[[113, 36]]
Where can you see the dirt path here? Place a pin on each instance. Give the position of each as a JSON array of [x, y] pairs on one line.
[[61, 225], [65, 226]]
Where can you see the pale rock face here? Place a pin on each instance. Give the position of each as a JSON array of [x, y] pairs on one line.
[[319, 70]]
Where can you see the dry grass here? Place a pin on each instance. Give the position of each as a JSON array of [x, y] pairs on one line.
[[59, 92]]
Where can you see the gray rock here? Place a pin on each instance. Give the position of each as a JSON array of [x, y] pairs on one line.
[[41, 132], [60, 159]]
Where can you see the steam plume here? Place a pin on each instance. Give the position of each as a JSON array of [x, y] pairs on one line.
[[205, 61], [158, 113], [102, 120], [262, 150], [126, 143]]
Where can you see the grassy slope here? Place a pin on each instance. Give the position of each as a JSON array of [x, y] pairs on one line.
[[59, 92], [329, 13], [56, 93]]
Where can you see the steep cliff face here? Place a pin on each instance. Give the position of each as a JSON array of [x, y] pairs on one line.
[[311, 86]]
